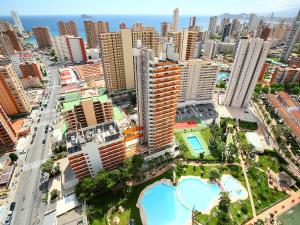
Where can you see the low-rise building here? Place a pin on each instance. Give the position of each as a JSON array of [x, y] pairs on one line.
[[285, 75], [94, 148]]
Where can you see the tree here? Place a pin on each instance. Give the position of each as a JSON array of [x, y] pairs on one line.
[[201, 155], [265, 89], [232, 151], [47, 167], [221, 150], [56, 169], [223, 218], [13, 157], [54, 194], [86, 189], [259, 222], [52, 53], [244, 208], [214, 174], [296, 90], [224, 202], [137, 163]]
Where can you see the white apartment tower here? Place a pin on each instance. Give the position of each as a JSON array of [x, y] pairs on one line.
[[253, 22], [17, 21], [175, 19], [210, 49], [292, 38], [197, 80], [158, 89], [249, 59], [212, 28]]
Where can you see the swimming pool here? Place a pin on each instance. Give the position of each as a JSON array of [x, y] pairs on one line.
[[222, 76], [162, 203], [162, 206], [195, 143], [291, 217]]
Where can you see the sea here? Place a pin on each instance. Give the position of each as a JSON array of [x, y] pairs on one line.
[[113, 20]]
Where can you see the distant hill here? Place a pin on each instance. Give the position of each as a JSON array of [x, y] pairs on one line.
[[83, 16]]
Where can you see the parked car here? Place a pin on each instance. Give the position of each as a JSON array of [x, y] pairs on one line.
[[8, 219], [12, 206]]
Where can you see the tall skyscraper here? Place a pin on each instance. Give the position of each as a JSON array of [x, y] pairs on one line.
[[158, 89], [226, 31], [192, 22], [117, 59], [265, 32], [292, 38], [175, 19], [235, 26], [67, 28], [253, 22], [197, 80], [224, 22], [212, 28], [210, 49], [17, 21], [164, 29], [42, 36], [69, 48], [92, 30], [13, 97], [8, 135], [185, 43], [148, 36], [250, 57]]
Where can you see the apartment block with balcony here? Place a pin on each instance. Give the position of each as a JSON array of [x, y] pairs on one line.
[[94, 148], [285, 75], [8, 136]]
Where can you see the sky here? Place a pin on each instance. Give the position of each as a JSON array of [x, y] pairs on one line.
[[139, 7]]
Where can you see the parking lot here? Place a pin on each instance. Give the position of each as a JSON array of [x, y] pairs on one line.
[[201, 111]]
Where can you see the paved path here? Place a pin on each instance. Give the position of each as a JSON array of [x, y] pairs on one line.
[[279, 208]]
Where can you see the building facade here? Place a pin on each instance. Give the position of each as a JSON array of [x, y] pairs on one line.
[[13, 97], [67, 28], [212, 27], [250, 57], [210, 49], [92, 30], [285, 75], [17, 21], [42, 36], [197, 80], [8, 136]]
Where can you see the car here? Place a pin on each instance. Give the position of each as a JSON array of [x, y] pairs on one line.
[[12, 206], [44, 141], [38, 120], [8, 219]]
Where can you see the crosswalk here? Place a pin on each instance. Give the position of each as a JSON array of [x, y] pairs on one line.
[[33, 165]]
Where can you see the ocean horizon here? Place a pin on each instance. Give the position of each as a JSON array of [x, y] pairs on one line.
[[113, 20]]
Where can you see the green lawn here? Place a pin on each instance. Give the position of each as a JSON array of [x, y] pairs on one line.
[[105, 201], [266, 161], [263, 195]]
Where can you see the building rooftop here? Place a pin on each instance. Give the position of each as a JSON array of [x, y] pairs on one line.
[[101, 133], [89, 70]]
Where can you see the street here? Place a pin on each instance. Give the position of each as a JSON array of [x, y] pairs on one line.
[[29, 206]]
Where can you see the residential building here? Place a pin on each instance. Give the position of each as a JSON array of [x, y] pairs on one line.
[[212, 27], [13, 97], [122, 26], [69, 48], [265, 32], [250, 57], [292, 38], [67, 28], [185, 43], [13, 39], [6, 47], [117, 59], [92, 30], [86, 108], [253, 22], [285, 75], [148, 36], [8, 136], [294, 61], [175, 19], [210, 49], [197, 80], [30, 70], [226, 31], [158, 88], [192, 22], [235, 27], [42, 36], [17, 21], [94, 148], [89, 72], [164, 29], [19, 58], [224, 22]]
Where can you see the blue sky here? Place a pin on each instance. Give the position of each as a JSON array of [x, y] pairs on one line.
[[187, 7]]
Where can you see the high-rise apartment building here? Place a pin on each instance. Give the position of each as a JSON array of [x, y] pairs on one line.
[[122, 26], [42, 36], [235, 27], [69, 48], [226, 31], [292, 38], [285, 75], [265, 32], [185, 43], [13, 97], [88, 109], [94, 148], [192, 22], [253, 22], [17, 21], [8, 135], [67, 28], [148, 36], [175, 19], [248, 63], [212, 27], [164, 29], [6, 47], [210, 49], [197, 80], [158, 89], [224, 22], [117, 59], [30, 70], [92, 30], [20, 58]]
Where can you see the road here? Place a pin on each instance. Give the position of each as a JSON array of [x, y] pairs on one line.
[[29, 207]]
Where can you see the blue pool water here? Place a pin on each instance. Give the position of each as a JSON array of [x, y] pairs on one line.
[[222, 76], [165, 204], [197, 193], [195, 143], [162, 207]]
